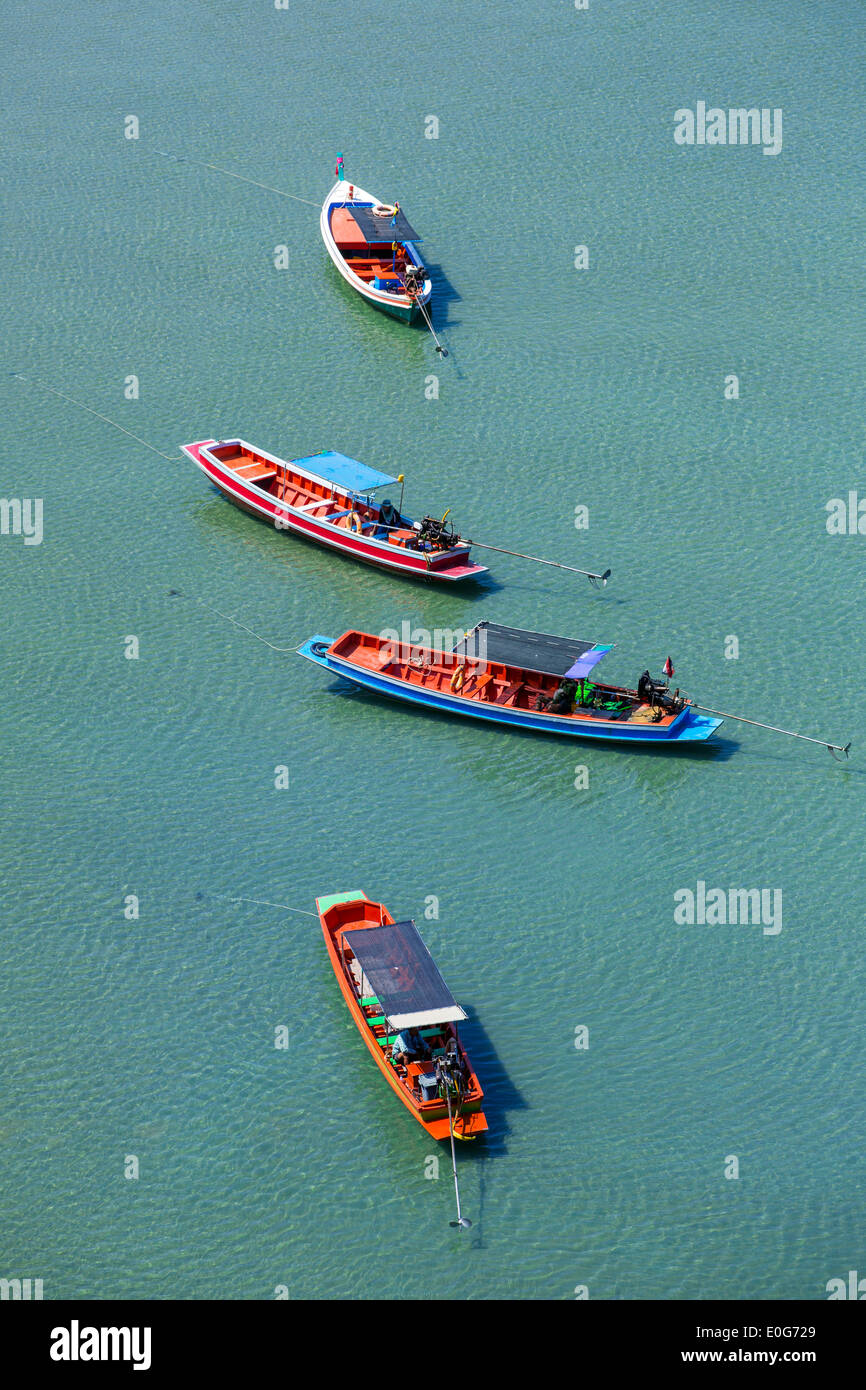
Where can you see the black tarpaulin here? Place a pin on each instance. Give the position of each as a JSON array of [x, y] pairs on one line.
[[403, 975], [531, 651], [377, 229]]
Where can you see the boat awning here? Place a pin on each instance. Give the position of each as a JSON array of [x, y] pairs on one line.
[[375, 229], [403, 975], [345, 472], [531, 651]]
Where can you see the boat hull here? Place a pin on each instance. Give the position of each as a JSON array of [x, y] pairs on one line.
[[688, 727], [444, 568], [404, 308]]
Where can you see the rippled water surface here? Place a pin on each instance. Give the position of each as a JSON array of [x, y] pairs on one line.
[[155, 777]]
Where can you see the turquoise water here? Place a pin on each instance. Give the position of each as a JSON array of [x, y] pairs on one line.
[[155, 776]]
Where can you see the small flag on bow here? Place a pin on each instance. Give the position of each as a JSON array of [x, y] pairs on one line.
[[669, 667]]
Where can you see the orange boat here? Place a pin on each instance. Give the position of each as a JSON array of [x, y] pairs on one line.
[[405, 1013]]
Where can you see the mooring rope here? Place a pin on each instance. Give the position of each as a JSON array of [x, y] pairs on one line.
[[19, 376], [203, 163], [262, 902], [210, 608]]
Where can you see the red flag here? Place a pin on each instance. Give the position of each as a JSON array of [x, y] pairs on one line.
[[669, 667]]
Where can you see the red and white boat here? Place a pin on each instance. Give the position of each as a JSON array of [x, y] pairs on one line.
[[328, 498]]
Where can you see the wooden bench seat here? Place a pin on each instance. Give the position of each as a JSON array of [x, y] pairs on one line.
[[510, 692], [480, 683], [256, 472], [317, 502]]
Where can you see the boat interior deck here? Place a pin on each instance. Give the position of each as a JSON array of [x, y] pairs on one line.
[[378, 262], [321, 501], [434, 1038], [491, 682]]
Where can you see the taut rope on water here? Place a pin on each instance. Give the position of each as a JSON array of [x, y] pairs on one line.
[[179, 593], [19, 376], [203, 164], [262, 902]]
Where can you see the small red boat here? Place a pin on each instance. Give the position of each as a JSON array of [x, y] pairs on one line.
[[405, 1013], [328, 498]]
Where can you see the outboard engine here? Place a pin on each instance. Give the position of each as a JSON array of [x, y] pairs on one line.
[[656, 693], [414, 275], [436, 535], [646, 688]]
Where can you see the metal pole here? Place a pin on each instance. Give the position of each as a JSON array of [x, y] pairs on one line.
[[774, 728], [557, 564], [439, 348], [462, 1221]]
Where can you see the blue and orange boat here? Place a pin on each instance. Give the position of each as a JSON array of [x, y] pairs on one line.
[[521, 679], [405, 1013]]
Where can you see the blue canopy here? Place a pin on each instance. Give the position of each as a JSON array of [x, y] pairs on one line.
[[345, 472]]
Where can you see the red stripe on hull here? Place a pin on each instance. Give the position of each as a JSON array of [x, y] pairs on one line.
[[263, 508]]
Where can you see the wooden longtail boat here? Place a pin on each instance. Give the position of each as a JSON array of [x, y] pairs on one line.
[[373, 247], [509, 676], [396, 996], [328, 499]]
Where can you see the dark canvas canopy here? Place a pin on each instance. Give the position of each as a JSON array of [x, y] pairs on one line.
[[377, 229], [531, 651], [403, 975]]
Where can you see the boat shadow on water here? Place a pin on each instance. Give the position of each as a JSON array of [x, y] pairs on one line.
[[444, 295], [501, 1096], [219, 516]]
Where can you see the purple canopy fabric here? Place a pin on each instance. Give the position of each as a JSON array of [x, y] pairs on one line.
[[584, 664]]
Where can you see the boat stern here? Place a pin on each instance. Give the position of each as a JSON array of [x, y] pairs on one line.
[[466, 1126], [456, 568], [694, 728]]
